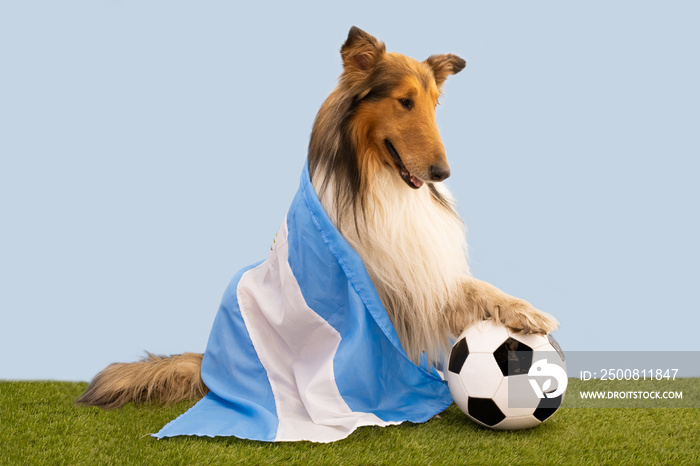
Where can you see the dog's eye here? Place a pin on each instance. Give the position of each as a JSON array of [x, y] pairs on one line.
[[406, 103]]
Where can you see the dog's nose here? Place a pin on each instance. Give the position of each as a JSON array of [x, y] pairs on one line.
[[439, 172]]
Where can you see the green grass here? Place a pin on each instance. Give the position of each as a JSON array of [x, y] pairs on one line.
[[40, 423]]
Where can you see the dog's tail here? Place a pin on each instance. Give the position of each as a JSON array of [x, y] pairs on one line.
[[160, 379]]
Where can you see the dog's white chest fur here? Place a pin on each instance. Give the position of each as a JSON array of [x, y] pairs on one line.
[[415, 251]]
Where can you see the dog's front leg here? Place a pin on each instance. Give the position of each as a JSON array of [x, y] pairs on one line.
[[479, 300]]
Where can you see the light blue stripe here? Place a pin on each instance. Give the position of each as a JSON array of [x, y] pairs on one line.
[[240, 401]]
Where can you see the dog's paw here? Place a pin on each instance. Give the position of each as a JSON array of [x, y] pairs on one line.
[[521, 316]]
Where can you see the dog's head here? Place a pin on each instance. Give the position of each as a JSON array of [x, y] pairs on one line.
[[394, 100]]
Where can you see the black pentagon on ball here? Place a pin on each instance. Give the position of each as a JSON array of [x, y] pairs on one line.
[[485, 411], [547, 407], [556, 346], [459, 354], [513, 357]]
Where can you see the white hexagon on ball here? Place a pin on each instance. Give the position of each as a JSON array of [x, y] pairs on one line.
[[484, 336], [481, 375], [517, 403]]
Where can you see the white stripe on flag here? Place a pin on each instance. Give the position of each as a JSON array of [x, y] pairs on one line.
[[296, 347]]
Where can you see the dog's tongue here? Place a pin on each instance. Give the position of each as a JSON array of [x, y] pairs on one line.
[[417, 182]]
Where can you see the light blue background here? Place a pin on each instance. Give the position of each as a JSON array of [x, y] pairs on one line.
[[151, 149]]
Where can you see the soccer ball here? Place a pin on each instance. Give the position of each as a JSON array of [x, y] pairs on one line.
[[506, 380]]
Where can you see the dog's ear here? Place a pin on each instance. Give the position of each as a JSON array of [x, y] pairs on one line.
[[445, 65], [361, 51]]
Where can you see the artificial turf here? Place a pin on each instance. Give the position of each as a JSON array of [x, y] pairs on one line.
[[40, 424]]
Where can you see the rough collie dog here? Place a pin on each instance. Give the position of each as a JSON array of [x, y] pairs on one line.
[[376, 161]]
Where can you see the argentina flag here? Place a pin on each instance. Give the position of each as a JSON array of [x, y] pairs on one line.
[[302, 347]]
